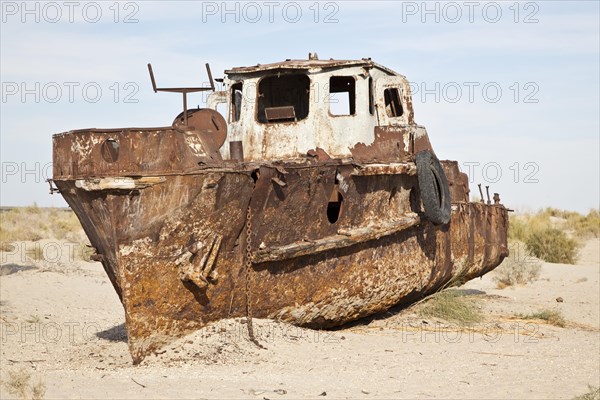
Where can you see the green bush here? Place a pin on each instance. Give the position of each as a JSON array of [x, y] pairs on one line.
[[552, 245]]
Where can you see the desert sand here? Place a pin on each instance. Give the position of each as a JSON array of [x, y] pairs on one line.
[[62, 321]]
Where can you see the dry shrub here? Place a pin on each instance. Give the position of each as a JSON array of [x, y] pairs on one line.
[[587, 226], [553, 245], [6, 246], [592, 394], [34, 224], [36, 253], [522, 226], [551, 234], [65, 225], [579, 226], [19, 384], [553, 317], [450, 305], [519, 268], [16, 225]]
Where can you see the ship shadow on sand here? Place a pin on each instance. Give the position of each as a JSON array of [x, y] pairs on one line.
[[117, 333]]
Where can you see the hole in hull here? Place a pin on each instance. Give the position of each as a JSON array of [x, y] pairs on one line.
[[334, 207]]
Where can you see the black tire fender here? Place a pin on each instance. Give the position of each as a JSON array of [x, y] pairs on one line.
[[433, 185]]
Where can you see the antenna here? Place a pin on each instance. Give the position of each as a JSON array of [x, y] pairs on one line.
[[183, 91]]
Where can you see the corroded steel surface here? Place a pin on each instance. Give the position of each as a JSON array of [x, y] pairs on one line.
[[334, 233], [143, 234]]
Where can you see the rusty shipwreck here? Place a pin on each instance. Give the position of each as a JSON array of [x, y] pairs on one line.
[[315, 200]]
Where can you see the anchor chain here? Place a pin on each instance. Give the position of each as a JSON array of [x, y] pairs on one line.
[[248, 278]]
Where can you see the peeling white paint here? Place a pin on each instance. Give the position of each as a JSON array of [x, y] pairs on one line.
[[335, 134], [138, 247]]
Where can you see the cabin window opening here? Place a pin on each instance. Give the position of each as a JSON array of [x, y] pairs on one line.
[[283, 98], [371, 105], [393, 105], [236, 101], [342, 95], [334, 207]]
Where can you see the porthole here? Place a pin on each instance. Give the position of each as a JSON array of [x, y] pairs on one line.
[[110, 150]]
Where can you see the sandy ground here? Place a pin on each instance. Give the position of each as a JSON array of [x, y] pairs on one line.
[[62, 321]]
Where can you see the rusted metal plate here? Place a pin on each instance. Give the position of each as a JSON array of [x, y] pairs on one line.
[[142, 235], [280, 113], [344, 238], [207, 124], [458, 181], [388, 146], [155, 152]]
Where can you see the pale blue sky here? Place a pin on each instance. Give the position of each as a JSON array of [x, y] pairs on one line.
[[543, 56]]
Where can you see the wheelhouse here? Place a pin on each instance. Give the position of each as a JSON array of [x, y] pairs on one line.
[[283, 110]]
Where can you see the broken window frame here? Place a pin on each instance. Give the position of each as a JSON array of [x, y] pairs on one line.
[[297, 118], [236, 109], [371, 84], [391, 109], [351, 96]]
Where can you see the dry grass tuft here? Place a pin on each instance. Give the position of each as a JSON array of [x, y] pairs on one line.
[[33, 319], [8, 247], [19, 384], [520, 268], [553, 317], [450, 305], [592, 394]]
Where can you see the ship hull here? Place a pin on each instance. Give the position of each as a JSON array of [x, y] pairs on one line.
[[186, 249]]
